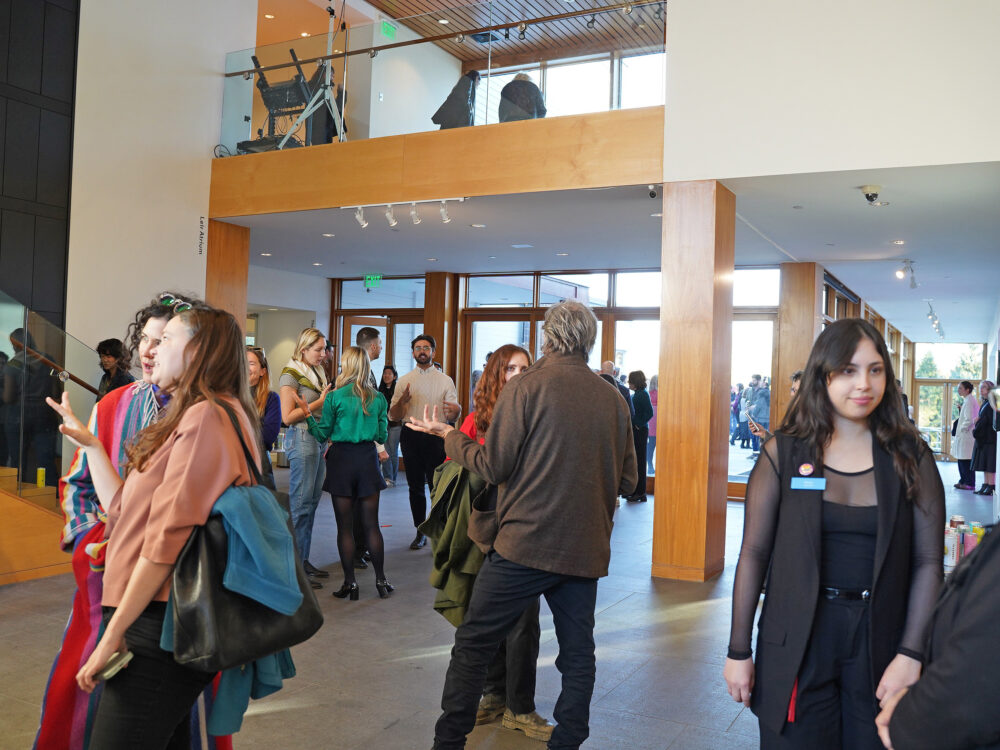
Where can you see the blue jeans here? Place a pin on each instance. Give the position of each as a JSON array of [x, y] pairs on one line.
[[390, 467], [503, 590], [650, 453], [307, 469]]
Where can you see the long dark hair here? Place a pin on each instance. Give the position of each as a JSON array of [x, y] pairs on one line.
[[491, 382], [218, 367], [810, 413]]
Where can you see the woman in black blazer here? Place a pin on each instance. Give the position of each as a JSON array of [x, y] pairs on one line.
[[954, 703], [984, 452], [845, 516]]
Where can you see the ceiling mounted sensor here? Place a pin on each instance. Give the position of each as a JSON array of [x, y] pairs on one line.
[[871, 195], [390, 217], [414, 216], [485, 37], [359, 216]]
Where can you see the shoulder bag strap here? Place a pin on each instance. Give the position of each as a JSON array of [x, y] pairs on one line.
[[251, 464]]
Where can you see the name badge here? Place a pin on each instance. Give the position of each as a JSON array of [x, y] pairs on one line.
[[808, 483]]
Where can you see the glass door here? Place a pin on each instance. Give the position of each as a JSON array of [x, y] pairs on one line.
[[754, 347], [932, 414], [486, 335]]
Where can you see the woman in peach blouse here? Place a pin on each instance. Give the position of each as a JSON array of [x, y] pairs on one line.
[[177, 468]]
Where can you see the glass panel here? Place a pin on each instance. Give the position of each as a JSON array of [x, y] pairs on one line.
[[402, 354], [11, 386], [390, 293], [355, 327], [753, 342], [930, 415], [643, 80], [589, 288], [637, 347], [950, 361], [594, 361], [756, 287], [578, 88], [501, 291], [638, 289], [487, 337]]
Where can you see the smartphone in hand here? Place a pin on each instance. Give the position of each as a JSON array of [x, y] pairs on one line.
[[114, 665]]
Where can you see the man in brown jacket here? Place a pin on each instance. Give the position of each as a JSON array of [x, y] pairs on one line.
[[560, 450]]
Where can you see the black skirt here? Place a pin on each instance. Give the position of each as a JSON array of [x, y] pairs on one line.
[[352, 470], [984, 457]]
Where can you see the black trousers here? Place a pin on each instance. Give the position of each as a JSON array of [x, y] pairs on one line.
[[512, 671], [966, 475], [422, 454], [503, 590], [148, 703], [835, 704], [640, 437]]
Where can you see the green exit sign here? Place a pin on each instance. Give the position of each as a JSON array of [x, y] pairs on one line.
[[373, 280], [388, 30]]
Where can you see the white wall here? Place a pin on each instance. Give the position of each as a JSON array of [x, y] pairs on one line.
[[292, 291], [277, 333], [786, 86], [148, 106]]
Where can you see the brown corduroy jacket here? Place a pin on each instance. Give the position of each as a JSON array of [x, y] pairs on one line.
[[560, 449]]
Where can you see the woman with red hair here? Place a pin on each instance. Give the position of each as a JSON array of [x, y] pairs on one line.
[[510, 683]]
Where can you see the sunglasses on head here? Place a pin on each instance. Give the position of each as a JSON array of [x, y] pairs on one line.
[[178, 304]]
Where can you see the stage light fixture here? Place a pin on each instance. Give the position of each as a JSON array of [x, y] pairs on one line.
[[414, 216], [390, 217], [359, 216], [445, 219]]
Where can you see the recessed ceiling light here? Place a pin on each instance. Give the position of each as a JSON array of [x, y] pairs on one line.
[[304, 34], [657, 216], [796, 206], [830, 244], [478, 226], [266, 255], [272, 309], [445, 21], [268, 16], [432, 260], [521, 247], [899, 242], [491, 257], [329, 234], [562, 254], [317, 264]]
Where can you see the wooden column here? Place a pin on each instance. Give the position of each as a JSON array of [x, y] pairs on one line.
[[689, 522], [441, 316], [228, 268], [800, 320]]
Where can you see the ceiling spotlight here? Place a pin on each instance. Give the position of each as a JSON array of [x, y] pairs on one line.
[[460, 38], [478, 226], [304, 34], [268, 16], [329, 234], [899, 242], [521, 29], [359, 216], [317, 264], [627, 10], [265, 255], [414, 216], [390, 217], [444, 21], [658, 13], [372, 53], [445, 219], [900, 273], [592, 22]]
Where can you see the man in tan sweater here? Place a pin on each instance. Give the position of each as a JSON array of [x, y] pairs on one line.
[[560, 450]]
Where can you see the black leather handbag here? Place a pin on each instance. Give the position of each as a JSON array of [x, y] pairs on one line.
[[216, 629]]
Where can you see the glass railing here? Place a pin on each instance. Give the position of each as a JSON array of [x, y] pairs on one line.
[[469, 65], [38, 359]]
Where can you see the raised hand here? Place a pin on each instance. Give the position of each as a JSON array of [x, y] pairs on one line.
[[72, 427], [431, 423]]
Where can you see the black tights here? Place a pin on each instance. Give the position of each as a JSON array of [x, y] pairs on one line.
[[343, 509]]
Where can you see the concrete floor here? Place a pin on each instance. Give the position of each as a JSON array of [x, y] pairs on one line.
[[371, 678]]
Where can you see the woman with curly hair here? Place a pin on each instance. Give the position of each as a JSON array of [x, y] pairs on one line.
[[843, 515], [510, 682]]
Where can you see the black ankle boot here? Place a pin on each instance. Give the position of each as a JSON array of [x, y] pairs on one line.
[[384, 588], [983, 490], [348, 590]]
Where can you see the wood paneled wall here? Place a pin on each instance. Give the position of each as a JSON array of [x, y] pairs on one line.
[[441, 317], [800, 320], [29, 541], [623, 147], [689, 523], [227, 268]]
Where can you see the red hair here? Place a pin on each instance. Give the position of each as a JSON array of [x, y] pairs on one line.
[[492, 381]]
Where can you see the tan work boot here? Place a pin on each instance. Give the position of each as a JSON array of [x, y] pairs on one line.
[[534, 726], [490, 708]]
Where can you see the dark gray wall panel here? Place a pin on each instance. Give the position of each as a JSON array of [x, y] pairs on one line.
[[49, 267], [20, 167], [17, 249], [58, 53], [24, 57], [53, 159]]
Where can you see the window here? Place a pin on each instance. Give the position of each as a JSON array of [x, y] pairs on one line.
[[501, 291], [757, 287], [578, 88], [589, 288], [642, 83], [963, 361], [638, 289], [391, 293]]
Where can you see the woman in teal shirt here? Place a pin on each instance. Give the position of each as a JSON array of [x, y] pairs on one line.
[[354, 419]]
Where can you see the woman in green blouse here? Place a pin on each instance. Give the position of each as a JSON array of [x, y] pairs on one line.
[[354, 419]]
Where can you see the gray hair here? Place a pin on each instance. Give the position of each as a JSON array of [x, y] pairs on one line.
[[570, 327]]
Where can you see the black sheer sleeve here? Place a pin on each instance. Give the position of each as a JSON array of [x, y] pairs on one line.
[[759, 523], [926, 567]]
